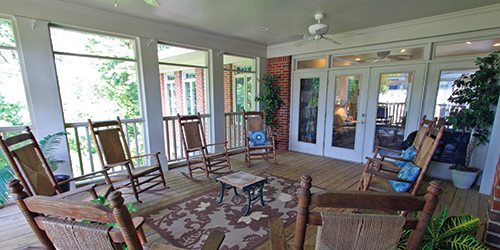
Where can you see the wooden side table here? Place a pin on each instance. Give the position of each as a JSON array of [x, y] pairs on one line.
[[250, 184]]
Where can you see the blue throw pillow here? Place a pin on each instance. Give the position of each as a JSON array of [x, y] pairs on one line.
[[258, 138], [408, 154], [408, 172]]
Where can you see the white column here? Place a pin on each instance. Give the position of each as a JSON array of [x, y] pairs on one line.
[[216, 98], [151, 98], [490, 164], [37, 63]]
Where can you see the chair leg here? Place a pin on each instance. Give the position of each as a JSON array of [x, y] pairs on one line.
[[247, 157], [134, 188]]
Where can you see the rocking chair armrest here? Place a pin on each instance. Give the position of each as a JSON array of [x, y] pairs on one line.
[[195, 149], [277, 234], [387, 176], [140, 156], [102, 171], [389, 164], [387, 149], [122, 163], [88, 188], [396, 158], [217, 143]]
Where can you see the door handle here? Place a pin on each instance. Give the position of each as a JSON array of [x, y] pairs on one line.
[[361, 122], [362, 114]]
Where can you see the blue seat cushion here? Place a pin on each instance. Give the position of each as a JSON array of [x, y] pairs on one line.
[[258, 138], [408, 172], [408, 154]]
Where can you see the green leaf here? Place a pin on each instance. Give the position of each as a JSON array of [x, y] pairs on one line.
[[458, 224], [462, 241]]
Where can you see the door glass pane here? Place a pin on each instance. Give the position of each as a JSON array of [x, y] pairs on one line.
[[249, 94], [308, 118], [391, 109], [443, 107], [345, 111], [240, 98]]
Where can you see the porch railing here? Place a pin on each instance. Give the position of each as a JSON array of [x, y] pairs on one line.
[[234, 129]]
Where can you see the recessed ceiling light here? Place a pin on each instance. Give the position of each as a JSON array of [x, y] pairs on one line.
[[496, 44], [263, 28], [403, 50], [358, 59], [468, 42]]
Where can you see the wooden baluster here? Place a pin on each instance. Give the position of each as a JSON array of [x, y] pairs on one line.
[[302, 212], [122, 217], [424, 216]]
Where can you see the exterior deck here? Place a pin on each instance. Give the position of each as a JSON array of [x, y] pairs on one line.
[[327, 173]]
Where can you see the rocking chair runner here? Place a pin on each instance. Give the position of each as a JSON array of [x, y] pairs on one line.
[[338, 233], [193, 141], [56, 223], [258, 141], [28, 163], [113, 151]]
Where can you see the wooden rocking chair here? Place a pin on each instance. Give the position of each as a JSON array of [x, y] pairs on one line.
[[253, 123], [29, 165], [342, 229], [384, 179], [193, 141], [113, 151], [57, 223]]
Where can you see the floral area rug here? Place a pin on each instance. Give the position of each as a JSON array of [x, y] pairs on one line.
[[187, 224]]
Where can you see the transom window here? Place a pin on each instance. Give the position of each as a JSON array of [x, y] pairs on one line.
[[13, 104]]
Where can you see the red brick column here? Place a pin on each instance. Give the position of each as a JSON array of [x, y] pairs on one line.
[[492, 234], [200, 91], [282, 67], [163, 95], [228, 89], [179, 92]]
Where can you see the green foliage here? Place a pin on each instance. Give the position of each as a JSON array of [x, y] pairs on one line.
[[6, 33], [11, 112], [480, 94], [5, 176], [454, 232], [270, 99], [49, 145]]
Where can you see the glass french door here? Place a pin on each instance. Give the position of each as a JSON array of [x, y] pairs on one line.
[[308, 119], [345, 114], [394, 105]]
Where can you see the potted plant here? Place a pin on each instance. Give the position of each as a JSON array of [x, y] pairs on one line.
[[454, 232], [270, 99], [478, 95], [49, 145]]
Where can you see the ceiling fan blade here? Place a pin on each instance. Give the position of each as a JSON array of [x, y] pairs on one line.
[[331, 40], [291, 37], [305, 41], [152, 2], [344, 34]]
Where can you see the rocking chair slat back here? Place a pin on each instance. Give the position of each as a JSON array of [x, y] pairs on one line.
[[254, 123]]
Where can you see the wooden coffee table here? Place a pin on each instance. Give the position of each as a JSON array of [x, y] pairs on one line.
[[250, 184]]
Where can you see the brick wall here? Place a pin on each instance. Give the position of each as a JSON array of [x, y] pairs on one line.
[[282, 67], [179, 92], [492, 237], [228, 89], [163, 94], [200, 91]]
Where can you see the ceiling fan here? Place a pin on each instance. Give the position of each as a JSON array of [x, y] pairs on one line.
[[386, 56], [152, 2], [317, 32]]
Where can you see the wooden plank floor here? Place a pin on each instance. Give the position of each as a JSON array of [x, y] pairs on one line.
[[327, 173]]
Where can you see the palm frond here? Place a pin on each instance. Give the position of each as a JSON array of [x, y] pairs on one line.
[[460, 223], [440, 220], [5, 176], [49, 143], [462, 241]]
